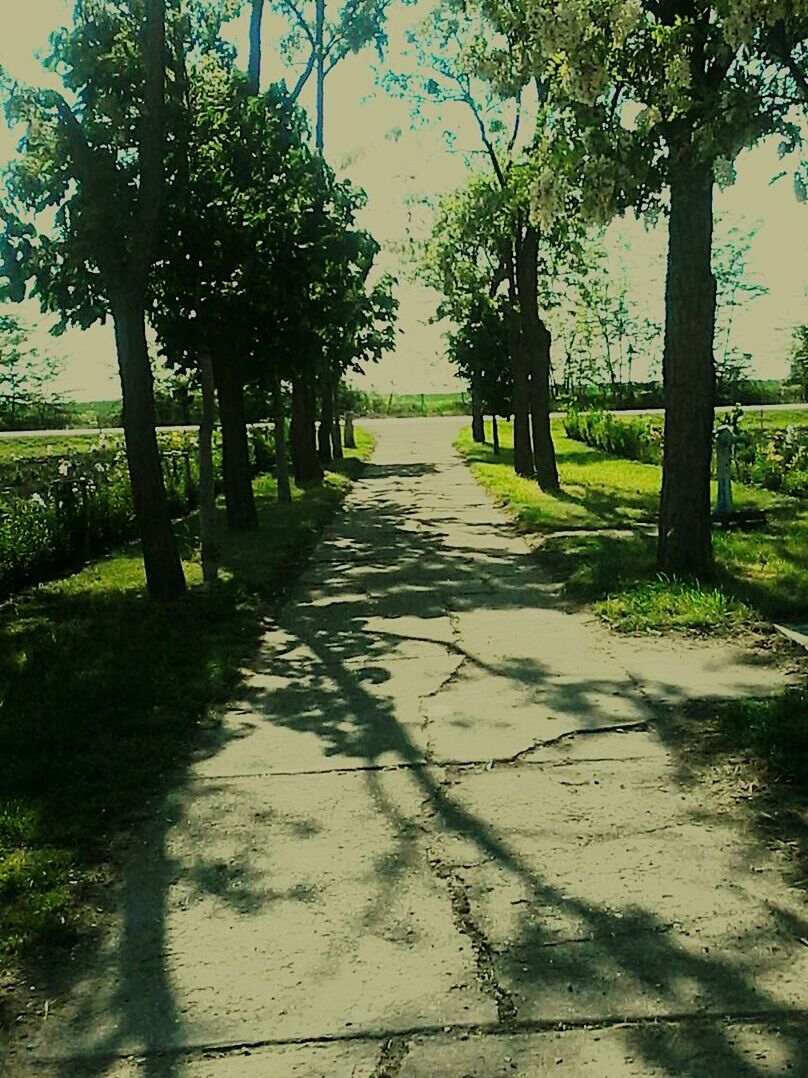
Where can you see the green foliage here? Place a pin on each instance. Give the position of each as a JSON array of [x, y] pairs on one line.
[[636, 438], [58, 511], [25, 379]]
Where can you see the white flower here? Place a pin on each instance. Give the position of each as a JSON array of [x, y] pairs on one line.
[[38, 501], [64, 467]]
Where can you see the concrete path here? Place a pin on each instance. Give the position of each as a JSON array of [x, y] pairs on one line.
[[439, 835]]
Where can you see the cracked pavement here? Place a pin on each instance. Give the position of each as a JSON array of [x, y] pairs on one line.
[[439, 833]]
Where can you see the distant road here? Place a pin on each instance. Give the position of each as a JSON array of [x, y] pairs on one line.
[[77, 431]]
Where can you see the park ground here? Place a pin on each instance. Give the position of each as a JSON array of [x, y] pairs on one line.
[[448, 822]]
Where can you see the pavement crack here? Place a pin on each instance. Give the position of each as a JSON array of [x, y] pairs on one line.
[[584, 731], [484, 952], [391, 1057]]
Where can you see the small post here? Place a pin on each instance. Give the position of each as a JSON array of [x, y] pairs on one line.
[[725, 439], [350, 437]]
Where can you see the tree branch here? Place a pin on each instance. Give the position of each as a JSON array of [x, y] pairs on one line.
[[254, 68], [300, 20], [304, 76]]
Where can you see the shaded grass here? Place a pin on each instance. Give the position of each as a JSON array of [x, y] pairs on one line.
[[104, 696], [607, 509]]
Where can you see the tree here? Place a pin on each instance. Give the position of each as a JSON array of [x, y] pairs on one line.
[[446, 49], [98, 164], [319, 43], [479, 350], [652, 95], [799, 359], [735, 288], [25, 375]]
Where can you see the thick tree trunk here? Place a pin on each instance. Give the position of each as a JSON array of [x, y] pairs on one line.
[[336, 433], [324, 434], [238, 491], [536, 340], [495, 434], [207, 484], [544, 457], [164, 576], [477, 417], [307, 467], [522, 446], [685, 539], [281, 460]]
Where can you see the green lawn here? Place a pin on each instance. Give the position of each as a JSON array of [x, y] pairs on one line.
[[104, 697], [754, 418], [607, 509]]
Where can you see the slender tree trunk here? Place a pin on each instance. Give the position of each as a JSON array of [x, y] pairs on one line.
[[495, 434], [522, 446], [537, 340], [477, 417], [306, 463], [164, 576], [254, 69], [207, 483], [319, 23], [685, 539], [324, 434], [336, 433], [281, 460], [236, 471]]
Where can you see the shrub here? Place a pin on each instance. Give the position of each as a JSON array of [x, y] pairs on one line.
[[57, 512], [634, 438]]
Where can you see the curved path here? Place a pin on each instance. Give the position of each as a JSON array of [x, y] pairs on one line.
[[440, 835]]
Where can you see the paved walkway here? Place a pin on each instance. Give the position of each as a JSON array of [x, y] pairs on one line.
[[440, 836]]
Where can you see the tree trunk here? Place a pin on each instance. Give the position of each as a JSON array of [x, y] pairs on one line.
[[477, 418], [207, 484], [522, 446], [281, 460], [307, 466], [324, 434], [254, 63], [319, 45], [164, 576], [685, 538], [336, 433], [536, 341], [236, 471], [495, 434]]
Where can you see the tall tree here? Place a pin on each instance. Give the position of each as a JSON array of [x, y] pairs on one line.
[[98, 162], [657, 94]]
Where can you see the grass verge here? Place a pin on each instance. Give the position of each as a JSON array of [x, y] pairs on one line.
[[103, 697], [597, 536]]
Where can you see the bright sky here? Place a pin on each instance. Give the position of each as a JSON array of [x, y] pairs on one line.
[[368, 136]]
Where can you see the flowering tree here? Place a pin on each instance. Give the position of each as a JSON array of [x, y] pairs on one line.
[[647, 96]]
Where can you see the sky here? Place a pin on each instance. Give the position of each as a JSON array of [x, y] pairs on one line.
[[369, 137]]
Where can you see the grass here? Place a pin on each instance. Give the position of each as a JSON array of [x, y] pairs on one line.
[[754, 418], [411, 404], [104, 697], [598, 537], [38, 447]]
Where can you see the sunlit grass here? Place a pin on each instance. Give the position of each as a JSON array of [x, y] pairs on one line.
[[609, 504]]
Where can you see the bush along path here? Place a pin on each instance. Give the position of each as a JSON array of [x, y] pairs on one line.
[[104, 696], [445, 827]]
